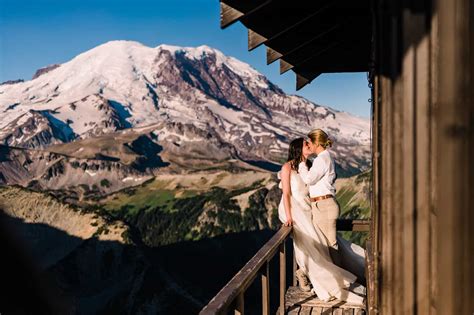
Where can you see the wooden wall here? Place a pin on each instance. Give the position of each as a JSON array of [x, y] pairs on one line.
[[454, 132], [423, 144]]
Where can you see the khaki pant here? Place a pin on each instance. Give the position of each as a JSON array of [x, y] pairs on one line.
[[324, 215]]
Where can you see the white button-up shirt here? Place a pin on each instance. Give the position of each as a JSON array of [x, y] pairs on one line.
[[321, 176]]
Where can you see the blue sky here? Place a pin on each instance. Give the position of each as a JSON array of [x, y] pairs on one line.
[[36, 33]]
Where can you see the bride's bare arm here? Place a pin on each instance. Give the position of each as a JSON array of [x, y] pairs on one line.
[[285, 181]]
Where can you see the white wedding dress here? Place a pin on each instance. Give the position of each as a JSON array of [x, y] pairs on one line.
[[312, 253]]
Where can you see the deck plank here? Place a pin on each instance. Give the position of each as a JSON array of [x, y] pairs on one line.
[[316, 310], [294, 310], [305, 310], [294, 296], [326, 311]]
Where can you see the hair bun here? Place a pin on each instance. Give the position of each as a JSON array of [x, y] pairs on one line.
[[329, 143]]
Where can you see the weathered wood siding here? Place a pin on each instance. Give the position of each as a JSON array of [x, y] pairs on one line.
[[423, 158]]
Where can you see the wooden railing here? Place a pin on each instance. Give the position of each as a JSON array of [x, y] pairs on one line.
[[236, 287], [231, 297]]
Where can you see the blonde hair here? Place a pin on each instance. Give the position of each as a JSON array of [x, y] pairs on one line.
[[318, 135]]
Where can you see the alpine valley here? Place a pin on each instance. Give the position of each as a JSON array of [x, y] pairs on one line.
[[137, 173]]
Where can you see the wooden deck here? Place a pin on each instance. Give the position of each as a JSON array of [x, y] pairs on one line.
[[298, 302]]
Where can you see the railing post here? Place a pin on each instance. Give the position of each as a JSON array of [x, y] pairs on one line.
[[266, 289], [282, 276], [239, 306], [295, 266]]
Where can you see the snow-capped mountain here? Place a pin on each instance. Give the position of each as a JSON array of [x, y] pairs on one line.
[[187, 99]]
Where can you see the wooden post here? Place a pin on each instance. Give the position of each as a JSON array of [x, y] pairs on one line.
[[294, 268], [239, 306], [266, 289], [282, 277]]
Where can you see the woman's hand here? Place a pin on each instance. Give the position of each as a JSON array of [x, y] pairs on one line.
[[289, 221]]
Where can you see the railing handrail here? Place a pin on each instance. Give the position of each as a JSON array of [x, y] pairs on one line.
[[247, 274]]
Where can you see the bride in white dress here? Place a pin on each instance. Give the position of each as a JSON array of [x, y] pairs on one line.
[[311, 249]]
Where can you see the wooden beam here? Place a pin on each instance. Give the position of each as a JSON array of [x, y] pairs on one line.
[[254, 39], [319, 42], [315, 25], [302, 48], [312, 55], [272, 55], [272, 31], [229, 15], [346, 58], [284, 66], [234, 10], [323, 54], [303, 81], [304, 32]]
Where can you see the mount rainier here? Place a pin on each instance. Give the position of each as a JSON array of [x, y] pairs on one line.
[[123, 112]]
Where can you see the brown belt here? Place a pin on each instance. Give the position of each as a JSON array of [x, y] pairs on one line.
[[314, 199]]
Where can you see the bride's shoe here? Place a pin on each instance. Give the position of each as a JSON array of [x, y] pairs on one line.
[[303, 280]]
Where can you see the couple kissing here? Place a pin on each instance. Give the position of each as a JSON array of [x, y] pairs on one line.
[[308, 204]]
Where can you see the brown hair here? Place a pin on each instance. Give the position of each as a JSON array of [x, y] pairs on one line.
[[295, 155], [318, 135]]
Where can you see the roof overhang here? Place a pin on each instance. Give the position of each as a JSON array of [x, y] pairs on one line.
[[307, 37]]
